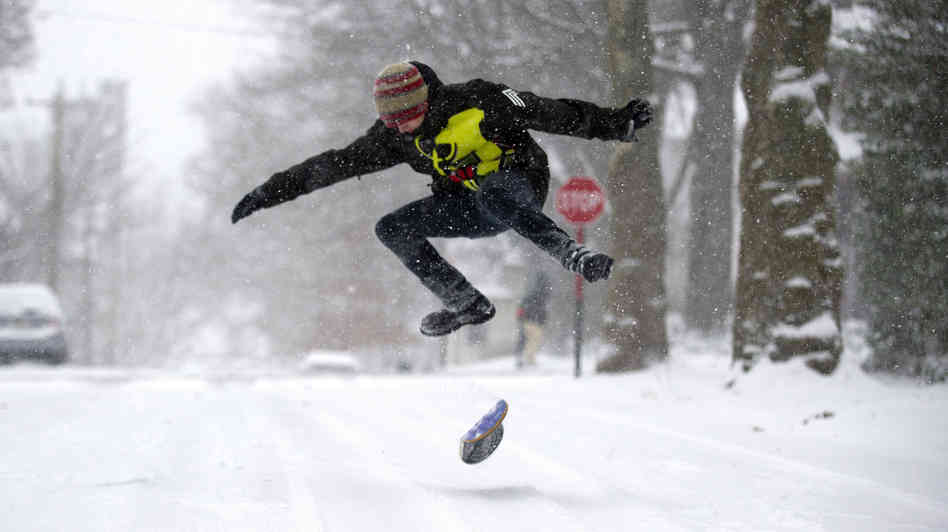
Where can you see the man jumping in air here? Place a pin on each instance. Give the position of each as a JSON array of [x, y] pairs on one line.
[[488, 175]]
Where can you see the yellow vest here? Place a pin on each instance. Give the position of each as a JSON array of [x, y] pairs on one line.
[[462, 146]]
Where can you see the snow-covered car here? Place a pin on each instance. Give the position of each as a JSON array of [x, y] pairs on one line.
[[328, 362], [31, 324]]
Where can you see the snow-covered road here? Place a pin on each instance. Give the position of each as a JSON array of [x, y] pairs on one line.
[[670, 449]]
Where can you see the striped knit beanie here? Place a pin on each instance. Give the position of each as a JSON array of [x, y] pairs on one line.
[[401, 94]]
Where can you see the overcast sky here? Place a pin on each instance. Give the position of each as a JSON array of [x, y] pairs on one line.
[[167, 50]]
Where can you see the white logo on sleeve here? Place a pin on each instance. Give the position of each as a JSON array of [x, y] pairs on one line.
[[514, 97]]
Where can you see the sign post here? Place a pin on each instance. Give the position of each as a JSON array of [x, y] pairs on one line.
[[580, 201]]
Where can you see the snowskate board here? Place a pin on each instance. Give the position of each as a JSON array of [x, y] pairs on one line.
[[484, 437]]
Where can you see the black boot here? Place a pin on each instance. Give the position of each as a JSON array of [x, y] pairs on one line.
[[440, 323], [592, 265]]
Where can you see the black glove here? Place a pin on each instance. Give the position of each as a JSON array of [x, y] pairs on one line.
[[640, 115], [251, 202], [284, 186]]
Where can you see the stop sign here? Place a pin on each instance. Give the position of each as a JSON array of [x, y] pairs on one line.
[[580, 200]]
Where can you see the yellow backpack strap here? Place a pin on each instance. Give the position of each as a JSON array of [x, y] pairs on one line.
[[435, 158]]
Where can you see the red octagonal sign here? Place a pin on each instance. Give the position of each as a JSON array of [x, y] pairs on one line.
[[580, 200]]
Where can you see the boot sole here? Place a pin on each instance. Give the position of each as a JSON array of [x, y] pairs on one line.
[[457, 325]]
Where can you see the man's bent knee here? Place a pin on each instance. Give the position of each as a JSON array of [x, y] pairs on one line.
[[389, 230]]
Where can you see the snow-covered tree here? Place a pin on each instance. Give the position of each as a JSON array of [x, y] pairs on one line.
[[789, 271], [896, 96]]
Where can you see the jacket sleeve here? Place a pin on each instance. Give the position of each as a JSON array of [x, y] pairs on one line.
[[369, 153], [562, 116]]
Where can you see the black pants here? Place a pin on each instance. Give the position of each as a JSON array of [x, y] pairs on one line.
[[505, 201]]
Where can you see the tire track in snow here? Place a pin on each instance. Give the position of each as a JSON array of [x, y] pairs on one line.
[[556, 489], [542, 499], [334, 423], [302, 502], [779, 463], [477, 490], [597, 496]]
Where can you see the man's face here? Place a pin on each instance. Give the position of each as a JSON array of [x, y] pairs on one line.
[[410, 125]]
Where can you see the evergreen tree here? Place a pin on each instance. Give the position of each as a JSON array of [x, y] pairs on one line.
[[896, 95]]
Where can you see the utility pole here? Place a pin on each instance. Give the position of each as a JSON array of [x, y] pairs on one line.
[[57, 200], [58, 188], [94, 150]]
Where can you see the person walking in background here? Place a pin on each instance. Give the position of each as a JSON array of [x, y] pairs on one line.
[[531, 317]]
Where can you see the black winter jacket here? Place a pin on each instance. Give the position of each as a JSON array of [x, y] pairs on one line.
[[471, 130]]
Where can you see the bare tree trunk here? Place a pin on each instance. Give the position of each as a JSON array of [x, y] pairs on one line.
[[719, 46], [789, 272], [635, 317]]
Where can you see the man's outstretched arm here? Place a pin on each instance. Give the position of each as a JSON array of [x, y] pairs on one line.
[[369, 153], [565, 116]]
